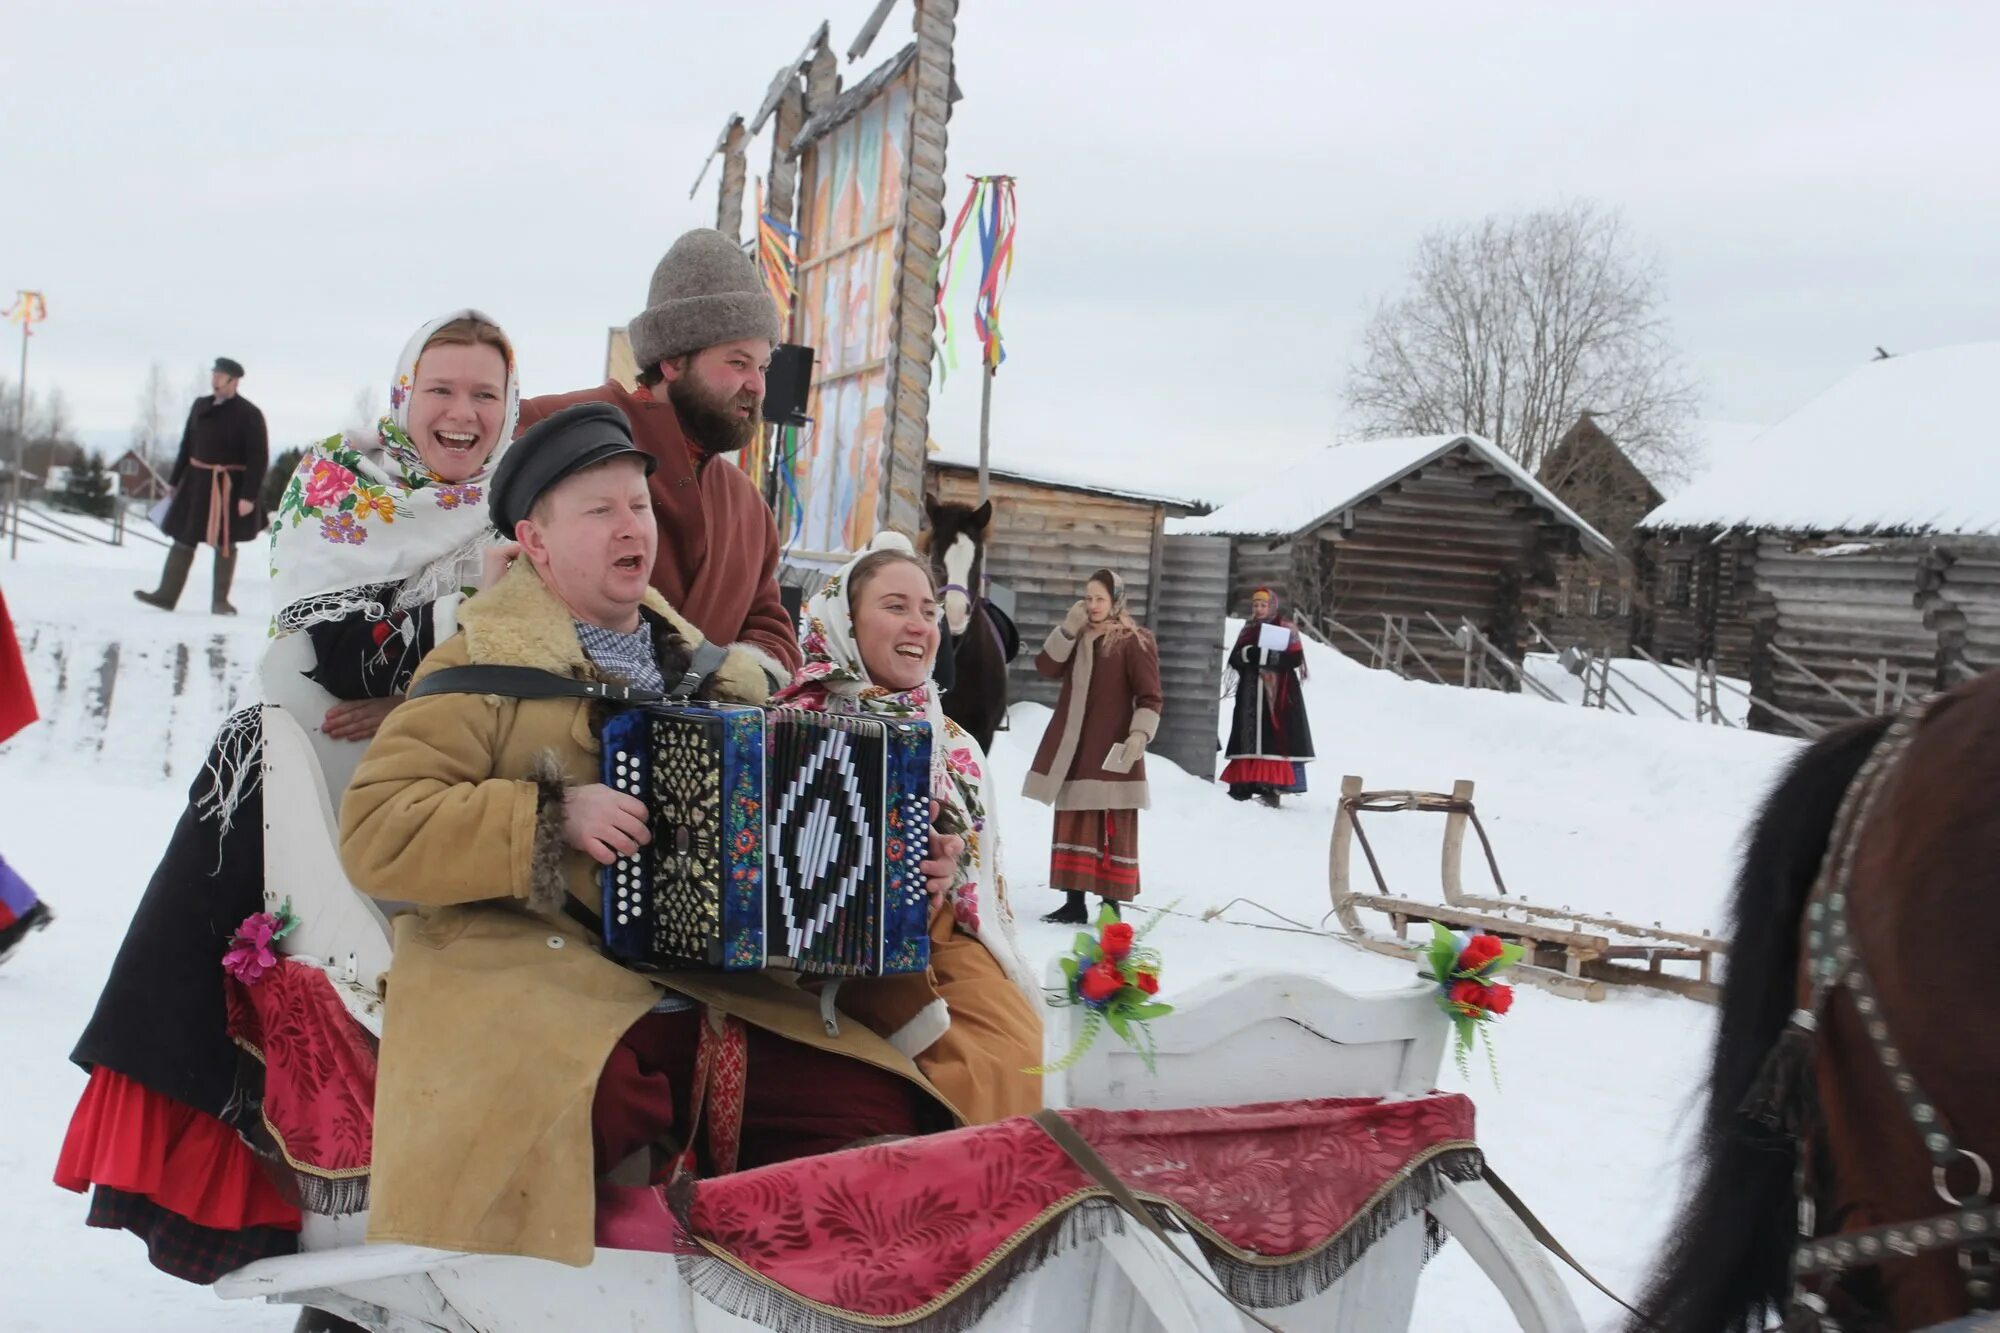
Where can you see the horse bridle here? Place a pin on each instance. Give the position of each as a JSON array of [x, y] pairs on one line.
[[1973, 1227]]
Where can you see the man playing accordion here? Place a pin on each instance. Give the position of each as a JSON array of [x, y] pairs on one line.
[[518, 1063]]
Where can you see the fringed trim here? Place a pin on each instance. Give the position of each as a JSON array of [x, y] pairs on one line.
[[338, 1192], [722, 1281], [1259, 1284], [1287, 1281], [235, 767], [548, 891]]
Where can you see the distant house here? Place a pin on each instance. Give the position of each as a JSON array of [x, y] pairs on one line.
[[1852, 554], [1404, 532], [137, 478], [1595, 602]]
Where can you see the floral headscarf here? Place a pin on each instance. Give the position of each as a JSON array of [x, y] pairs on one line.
[[359, 513], [834, 680]]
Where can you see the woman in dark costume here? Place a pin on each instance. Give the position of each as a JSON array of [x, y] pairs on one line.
[[375, 543], [1270, 737]]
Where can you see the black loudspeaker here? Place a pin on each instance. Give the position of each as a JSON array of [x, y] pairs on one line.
[[786, 385]]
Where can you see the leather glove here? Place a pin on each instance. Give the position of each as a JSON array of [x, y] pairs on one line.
[[1074, 622]]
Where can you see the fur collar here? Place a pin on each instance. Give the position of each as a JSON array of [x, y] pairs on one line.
[[519, 622]]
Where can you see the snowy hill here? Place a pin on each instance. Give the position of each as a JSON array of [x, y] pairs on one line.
[[1637, 816]]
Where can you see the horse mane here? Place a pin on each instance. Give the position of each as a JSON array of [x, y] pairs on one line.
[[1727, 1261]]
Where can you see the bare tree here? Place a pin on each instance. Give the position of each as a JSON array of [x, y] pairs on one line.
[[363, 411], [1513, 326], [156, 427]]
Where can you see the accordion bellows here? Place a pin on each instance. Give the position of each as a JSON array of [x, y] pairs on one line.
[[780, 838]]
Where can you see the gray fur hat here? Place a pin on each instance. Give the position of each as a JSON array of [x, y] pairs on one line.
[[705, 291]]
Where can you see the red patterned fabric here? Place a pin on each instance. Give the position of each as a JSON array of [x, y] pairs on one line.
[[319, 1070], [900, 1230], [721, 1069], [126, 1137]]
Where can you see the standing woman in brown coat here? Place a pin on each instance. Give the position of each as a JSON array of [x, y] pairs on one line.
[[1092, 762]]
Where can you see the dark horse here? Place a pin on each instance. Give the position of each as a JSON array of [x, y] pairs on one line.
[[1854, 1095], [982, 639]]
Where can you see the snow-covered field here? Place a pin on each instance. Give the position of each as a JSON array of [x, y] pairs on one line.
[[1637, 816]]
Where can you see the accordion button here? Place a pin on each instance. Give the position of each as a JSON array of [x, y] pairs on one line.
[[556, 941]]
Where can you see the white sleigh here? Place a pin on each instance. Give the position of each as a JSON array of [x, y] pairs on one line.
[[1244, 1037]]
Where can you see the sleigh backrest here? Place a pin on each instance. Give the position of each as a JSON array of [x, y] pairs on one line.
[[305, 772], [1258, 1036]]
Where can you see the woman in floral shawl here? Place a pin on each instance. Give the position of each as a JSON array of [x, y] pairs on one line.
[[971, 1023], [375, 542]]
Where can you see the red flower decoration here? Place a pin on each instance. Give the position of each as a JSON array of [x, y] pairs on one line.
[[1149, 982], [1117, 939], [1499, 998], [1100, 982], [1470, 996], [1479, 951]]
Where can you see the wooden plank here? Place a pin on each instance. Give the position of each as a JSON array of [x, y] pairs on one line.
[[1588, 946]]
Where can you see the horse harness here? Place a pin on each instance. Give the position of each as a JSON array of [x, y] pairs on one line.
[[1973, 1226]]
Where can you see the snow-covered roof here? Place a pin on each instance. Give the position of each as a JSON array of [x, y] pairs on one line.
[[1898, 445], [1070, 478], [1321, 485], [1710, 444]]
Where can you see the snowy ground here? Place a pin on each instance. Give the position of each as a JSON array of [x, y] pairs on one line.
[[1637, 816]]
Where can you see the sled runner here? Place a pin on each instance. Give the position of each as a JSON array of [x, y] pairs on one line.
[[1306, 1064], [1569, 953]]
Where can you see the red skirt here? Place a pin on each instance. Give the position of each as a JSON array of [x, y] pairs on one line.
[[1259, 773], [1096, 851], [17, 701], [134, 1140]]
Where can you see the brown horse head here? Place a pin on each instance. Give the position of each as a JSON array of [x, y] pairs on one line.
[[956, 543], [1851, 1098]]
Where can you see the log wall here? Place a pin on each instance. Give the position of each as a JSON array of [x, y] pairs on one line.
[[1455, 539]]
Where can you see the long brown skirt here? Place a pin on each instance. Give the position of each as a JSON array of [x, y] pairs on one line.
[[1096, 851]]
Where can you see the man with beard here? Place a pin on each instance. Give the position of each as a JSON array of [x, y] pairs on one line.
[[703, 344]]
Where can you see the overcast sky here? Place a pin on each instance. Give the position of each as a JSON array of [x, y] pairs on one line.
[[1212, 196]]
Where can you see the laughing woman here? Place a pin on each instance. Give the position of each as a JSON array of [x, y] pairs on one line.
[[374, 543], [971, 1023]]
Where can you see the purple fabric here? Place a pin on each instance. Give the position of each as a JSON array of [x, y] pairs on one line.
[[15, 895]]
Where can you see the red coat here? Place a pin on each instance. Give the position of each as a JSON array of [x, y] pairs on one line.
[[718, 558], [17, 701]]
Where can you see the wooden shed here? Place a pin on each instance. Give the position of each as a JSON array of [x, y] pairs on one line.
[[1850, 555], [1409, 537], [1051, 531], [1597, 602]]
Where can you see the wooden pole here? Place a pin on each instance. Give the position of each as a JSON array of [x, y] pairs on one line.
[[20, 451], [985, 422]]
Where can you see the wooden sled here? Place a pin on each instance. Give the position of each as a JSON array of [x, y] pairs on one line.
[[1569, 953], [1245, 1037]]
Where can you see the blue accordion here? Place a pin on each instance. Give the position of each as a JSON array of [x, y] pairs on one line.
[[780, 838]]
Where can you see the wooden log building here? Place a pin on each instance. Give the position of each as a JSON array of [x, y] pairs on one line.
[[1850, 555], [1401, 531], [1597, 602]]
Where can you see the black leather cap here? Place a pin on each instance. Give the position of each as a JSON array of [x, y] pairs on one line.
[[229, 367], [579, 436]]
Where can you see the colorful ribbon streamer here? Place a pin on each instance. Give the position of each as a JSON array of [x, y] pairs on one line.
[[777, 259], [991, 202], [28, 310]]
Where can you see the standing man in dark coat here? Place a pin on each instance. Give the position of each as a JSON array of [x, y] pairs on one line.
[[216, 479]]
